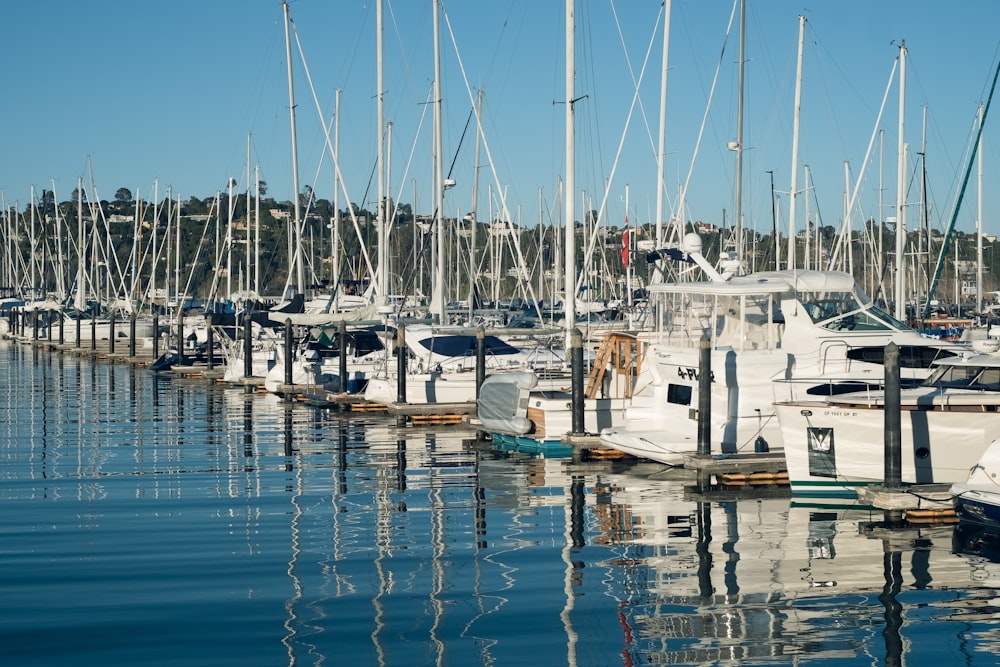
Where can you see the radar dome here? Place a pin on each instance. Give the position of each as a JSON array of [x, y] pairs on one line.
[[692, 243]]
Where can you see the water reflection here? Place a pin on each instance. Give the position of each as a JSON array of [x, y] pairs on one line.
[[330, 538]]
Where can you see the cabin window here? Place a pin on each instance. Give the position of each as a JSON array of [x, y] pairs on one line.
[[679, 394]]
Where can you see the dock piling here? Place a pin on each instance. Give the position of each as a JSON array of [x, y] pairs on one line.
[[342, 359], [131, 334], [576, 370], [211, 341], [247, 345], [289, 346], [480, 358], [893, 439], [704, 406], [156, 336]]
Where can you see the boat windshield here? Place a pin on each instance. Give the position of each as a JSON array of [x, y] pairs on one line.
[[965, 377], [839, 311]]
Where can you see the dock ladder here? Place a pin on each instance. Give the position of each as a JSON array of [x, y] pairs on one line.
[[621, 353]]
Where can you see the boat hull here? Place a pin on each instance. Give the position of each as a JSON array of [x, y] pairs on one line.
[[834, 449]]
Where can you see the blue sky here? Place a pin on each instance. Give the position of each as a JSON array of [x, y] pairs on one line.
[[134, 94]]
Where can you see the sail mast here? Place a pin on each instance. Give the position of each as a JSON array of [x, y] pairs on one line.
[[437, 296], [294, 242], [383, 248], [900, 310], [570, 186], [739, 133], [793, 190], [663, 124]]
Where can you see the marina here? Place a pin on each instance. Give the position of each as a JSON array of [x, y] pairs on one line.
[[155, 520], [407, 422]]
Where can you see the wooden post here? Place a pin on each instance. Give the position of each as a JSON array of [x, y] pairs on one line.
[[704, 396], [211, 341], [48, 325], [576, 370], [131, 334], [342, 359], [78, 318], [156, 336], [289, 343], [400, 363], [93, 330], [893, 439], [480, 358], [247, 345], [180, 337], [401, 355], [111, 332], [62, 335], [34, 325]]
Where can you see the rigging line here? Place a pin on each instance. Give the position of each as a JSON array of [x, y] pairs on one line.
[[336, 160], [489, 157], [588, 255], [961, 194], [868, 151], [711, 96]]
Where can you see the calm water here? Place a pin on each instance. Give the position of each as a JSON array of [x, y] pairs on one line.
[[147, 521]]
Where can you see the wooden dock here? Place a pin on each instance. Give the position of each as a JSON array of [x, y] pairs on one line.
[[916, 503]]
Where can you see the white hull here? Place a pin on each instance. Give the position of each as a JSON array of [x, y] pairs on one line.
[[102, 329], [832, 449]]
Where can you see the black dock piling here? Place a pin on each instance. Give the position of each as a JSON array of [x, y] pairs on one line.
[[342, 359], [247, 345], [211, 341], [704, 406], [156, 336], [480, 358], [576, 369], [893, 438], [180, 337], [93, 331], [111, 333], [131, 334], [289, 346]]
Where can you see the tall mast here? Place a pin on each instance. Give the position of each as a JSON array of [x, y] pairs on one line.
[[256, 230], [660, 156], [979, 219], [793, 190], [246, 217], [383, 249], [900, 310], [437, 295], [739, 134], [294, 242], [81, 259], [335, 232], [570, 187], [473, 214], [33, 263]]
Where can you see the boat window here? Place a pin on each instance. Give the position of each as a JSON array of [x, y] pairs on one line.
[[989, 380], [860, 320], [822, 306], [679, 393], [952, 376]]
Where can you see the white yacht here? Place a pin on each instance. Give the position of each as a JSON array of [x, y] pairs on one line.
[[781, 335]]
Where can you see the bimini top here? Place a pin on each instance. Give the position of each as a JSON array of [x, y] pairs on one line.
[[766, 282]]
